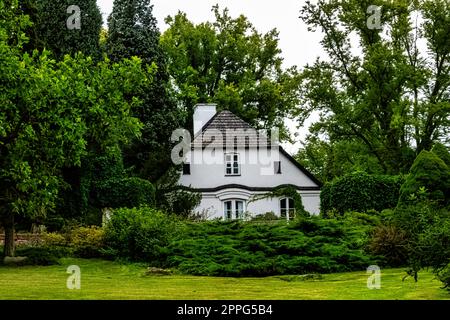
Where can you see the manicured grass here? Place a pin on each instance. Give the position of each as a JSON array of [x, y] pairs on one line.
[[111, 280]]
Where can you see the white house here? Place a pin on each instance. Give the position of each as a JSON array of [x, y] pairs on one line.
[[234, 167]]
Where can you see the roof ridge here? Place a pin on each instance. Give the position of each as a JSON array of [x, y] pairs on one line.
[[226, 112], [226, 121]]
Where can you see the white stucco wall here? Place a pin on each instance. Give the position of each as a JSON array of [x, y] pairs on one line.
[[256, 170], [311, 201], [213, 203]]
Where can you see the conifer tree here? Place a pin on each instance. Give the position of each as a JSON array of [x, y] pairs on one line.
[[133, 31]]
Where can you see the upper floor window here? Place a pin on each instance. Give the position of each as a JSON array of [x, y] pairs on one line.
[[287, 209], [232, 164]]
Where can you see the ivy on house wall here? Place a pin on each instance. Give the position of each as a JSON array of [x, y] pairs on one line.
[[285, 191]]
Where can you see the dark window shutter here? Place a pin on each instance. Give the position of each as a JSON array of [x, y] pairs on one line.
[[186, 168], [277, 166]]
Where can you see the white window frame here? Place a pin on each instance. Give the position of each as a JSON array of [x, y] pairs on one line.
[[288, 209], [235, 214], [232, 164]]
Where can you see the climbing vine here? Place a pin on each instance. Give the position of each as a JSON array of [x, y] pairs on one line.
[[288, 192]]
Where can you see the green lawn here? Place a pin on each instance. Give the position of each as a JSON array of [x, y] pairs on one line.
[[110, 280]]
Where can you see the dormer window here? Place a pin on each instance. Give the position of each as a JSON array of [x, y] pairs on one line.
[[232, 164]]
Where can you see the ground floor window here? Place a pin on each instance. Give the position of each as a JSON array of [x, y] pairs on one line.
[[287, 208], [233, 209]]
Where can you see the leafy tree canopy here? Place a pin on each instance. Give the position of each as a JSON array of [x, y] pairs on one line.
[[133, 31], [52, 112], [50, 27], [229, 62], [390, 100]]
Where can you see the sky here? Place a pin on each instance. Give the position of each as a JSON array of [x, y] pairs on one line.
[[299, 46]]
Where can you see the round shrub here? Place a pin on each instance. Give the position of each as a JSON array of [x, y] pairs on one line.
[[141, 234], [430, 172], [53, 239], [87, 242]]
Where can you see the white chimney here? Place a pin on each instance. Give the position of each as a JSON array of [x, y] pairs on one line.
[[203, 112]]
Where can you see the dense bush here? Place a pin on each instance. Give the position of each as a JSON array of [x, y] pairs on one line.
[[429, 172], [442, 152], [433, 246], [83, 242], [53, 239], [54, 223], [77, 201], [414, 219], [180, 202], [369, 219], [87, 242], [268, 216], [391, 243], [173, 198], [247, 249], [427, 228], [360, 192], [141, 234], [39, 256], [444, 276], [125, 193]]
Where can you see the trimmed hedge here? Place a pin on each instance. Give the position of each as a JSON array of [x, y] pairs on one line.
[[360, 192], [125, 193]]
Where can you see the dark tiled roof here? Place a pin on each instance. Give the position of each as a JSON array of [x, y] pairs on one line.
[[225, 127], [226, 120], [226, 124]]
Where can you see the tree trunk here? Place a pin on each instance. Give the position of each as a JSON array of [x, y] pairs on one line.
[[9, 247]]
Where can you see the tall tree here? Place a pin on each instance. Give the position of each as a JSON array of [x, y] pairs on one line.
[[59, 27], [392, 99], [133, 31], [330, 160], [55, 26], [51, 113], [229, 62]]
